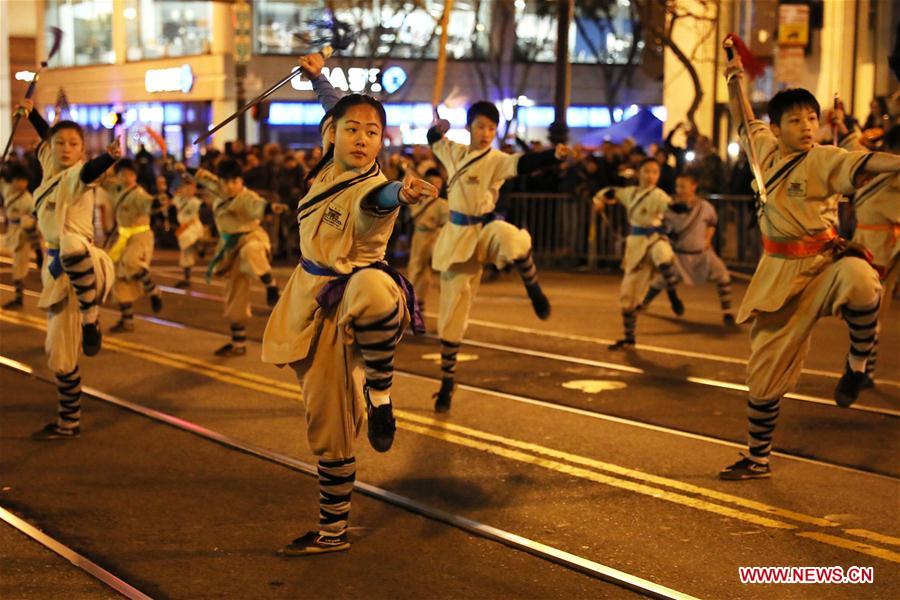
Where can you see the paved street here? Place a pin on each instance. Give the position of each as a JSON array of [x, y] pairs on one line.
[[594, 456]]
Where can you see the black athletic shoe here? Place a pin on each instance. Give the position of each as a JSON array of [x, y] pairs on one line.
[[728, 319], [231, 350], [156, 302], [444, 396], [91, 338], [869, 383], [745, 469], [52, 431], [623, 344], [382, 424], [675, 301], [315, 543], [122, 326], [183, 284], [847, 390], [539, 301], [272, 295], [14, 304]]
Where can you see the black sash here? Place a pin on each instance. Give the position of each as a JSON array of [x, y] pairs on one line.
[[638, 202], [782, 173], [37, 203], [335, 189], [465, 168]]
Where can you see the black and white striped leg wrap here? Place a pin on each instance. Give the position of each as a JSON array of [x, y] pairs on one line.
[[724, 289], [449, 350], [527, 270], [80, 269], [873, 358], [238, 335], [127, 310], [68, 392], [336, 479], [146, 282], [669, 274], [863, 323], [762, 415], [20, 289], [629, 320], [377, 341]]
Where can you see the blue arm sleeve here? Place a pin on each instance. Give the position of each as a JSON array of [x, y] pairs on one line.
[[383, 200], [325, 92]]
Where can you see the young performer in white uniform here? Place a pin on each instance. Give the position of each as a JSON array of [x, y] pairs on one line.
[[77, 275], [696, 262], [344, 310], [475, 235]]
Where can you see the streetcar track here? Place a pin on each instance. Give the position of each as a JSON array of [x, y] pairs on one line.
[[575, 466], [267, 385], [78, 560], [542, 551]]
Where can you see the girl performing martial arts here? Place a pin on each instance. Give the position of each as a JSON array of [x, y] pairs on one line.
[[344, 310]]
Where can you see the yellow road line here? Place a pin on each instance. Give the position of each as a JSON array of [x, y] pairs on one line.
[[619, 470], [442, 431], [599, 477], [875, 537], [851, 545]]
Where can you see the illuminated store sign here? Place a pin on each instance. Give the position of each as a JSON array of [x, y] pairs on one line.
[[356, 79], [176, 79]]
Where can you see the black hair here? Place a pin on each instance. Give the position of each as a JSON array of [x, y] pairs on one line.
[[337, 112], [689, 174], [433, 173], [891, 139], [790, 98], [485, 109], [124, 164], [13, 171], [647, 161], [229, 168], [67, 125]]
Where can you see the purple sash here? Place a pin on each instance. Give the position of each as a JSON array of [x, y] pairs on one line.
[[330, 295]]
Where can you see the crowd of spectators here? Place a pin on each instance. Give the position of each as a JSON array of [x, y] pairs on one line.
[[279, 173]]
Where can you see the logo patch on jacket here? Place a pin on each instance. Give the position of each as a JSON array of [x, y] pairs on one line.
[[472, 180], [796, 189], [336, 216]]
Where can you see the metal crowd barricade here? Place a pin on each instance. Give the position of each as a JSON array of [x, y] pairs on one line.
[[567, 233]]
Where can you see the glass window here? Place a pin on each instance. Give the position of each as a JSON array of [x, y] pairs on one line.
[[600, 32], [165, 28], [396, 29], [87, 31]]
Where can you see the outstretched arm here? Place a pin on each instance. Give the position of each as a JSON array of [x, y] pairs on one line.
[[535, 161], [26, 109], [312, 65], [94, 168]]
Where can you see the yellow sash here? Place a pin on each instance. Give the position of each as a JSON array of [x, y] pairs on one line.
[[125, 233]]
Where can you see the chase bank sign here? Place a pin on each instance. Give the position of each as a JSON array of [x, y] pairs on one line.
[[356, 79], [176, 79]]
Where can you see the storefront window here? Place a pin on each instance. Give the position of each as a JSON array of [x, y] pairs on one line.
[[87, 31], [398, 29], [165, 28], [600, 32]]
